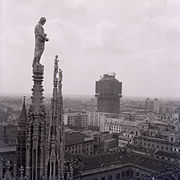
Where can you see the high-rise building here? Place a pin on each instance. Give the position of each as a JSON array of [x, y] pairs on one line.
[[108, 93], [152, 105]]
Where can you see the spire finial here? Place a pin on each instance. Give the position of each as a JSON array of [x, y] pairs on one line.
[[23, 115], [24, 100]]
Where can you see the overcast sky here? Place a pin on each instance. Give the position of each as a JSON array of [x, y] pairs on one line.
[[139, 40]]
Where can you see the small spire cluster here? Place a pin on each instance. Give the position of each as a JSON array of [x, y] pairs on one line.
[[55, 148]]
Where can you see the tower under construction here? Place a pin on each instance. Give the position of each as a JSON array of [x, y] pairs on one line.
[[108, 93]]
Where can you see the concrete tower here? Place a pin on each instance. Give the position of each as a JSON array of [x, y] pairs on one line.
[[54, 165], [36, 129], [108, 93], [21, 140]]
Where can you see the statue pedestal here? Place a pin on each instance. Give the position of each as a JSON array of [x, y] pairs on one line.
[[37, 95]]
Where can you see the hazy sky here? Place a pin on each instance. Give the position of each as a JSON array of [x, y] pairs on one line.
[[137, 39]]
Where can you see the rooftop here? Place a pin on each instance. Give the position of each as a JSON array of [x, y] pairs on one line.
[[76, 138], [157, 140], [118, 159], [109, 77]]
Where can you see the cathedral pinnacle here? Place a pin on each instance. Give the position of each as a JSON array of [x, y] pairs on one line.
[[23, 115]]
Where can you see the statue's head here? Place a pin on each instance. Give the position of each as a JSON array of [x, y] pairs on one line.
[[42, 20]]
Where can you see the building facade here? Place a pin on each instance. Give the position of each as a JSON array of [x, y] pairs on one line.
[[124, 166], [157, 144], [79, 144], [152, 105], [79, 119], [108, 94]]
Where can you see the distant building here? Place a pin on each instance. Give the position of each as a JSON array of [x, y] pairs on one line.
[[123, 166], [9, 133], [79, 143], [114, 125], [108, 93], [104, 142], [157, 144], [96, 119], [79, 119], [110, 144], [125, 138], [156, 105], [171, 136], [153, 105]]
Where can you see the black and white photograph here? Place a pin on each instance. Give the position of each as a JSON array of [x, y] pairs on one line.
[[89, 90]]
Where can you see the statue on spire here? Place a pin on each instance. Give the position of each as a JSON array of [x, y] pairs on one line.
[[60, 75], [40, 38], [55, 67]]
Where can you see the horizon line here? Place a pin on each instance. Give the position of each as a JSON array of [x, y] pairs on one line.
[[86, 95]]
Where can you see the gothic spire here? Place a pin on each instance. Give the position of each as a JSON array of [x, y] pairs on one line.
[[21, 139], [23, 115], [36, 128], [55, 150], [61, 126], [54, 100]]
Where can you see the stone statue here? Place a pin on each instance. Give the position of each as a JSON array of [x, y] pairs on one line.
[[55, 67], [40, 38], [60, 75]]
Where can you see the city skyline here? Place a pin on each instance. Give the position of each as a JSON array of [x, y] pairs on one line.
[[139, 41]]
